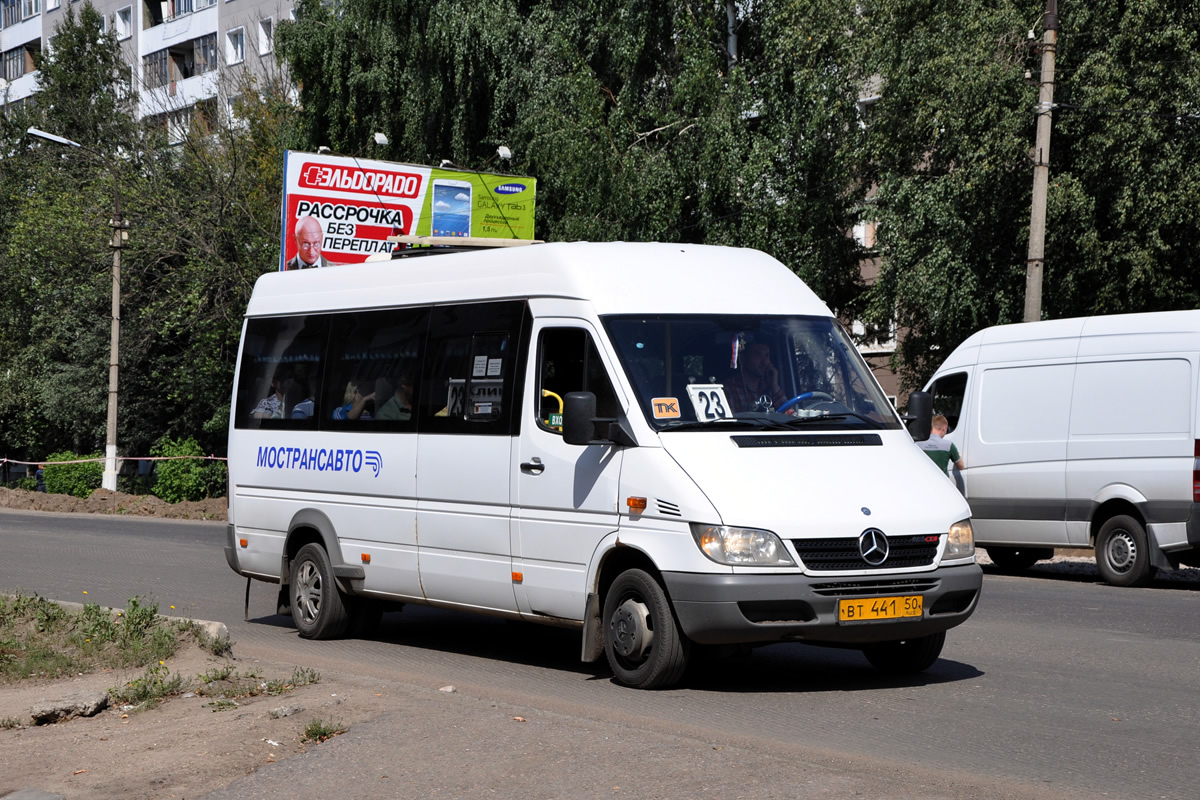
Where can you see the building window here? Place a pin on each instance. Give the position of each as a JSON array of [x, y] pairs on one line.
[[123, 22], [52, 4], [10, 12], [30, 8], [19, 60], [14, 63], [156, 69], [235, 46], [206, 53], [266, 36]]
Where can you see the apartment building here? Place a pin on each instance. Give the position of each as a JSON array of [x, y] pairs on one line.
[[182, 54]]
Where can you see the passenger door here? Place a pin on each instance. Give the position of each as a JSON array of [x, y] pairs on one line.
[[566, 495], [467, 419]]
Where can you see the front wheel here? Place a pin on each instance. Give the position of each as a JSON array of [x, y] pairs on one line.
[[1123, 552], [906, 656], [644, 645], [317, 607]]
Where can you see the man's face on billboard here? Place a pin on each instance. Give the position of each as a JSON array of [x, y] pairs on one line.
[[308, 240]]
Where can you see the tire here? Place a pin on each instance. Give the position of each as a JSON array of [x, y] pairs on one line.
[[906, 656], [317, 606], [1123, 552], [644, 645], [1017, 559]]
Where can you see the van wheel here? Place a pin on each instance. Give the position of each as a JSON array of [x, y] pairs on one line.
[[644, 645], [1017, 559], [907, 655], [317, 607], [1123, 552]]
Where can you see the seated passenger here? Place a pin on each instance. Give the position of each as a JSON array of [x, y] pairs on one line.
[[399, 405], [356, 405], [754, 386]]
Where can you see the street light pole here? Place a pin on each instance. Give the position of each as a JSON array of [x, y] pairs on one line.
[[120, 233]]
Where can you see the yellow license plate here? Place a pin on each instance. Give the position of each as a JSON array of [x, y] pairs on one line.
[[879, 608]]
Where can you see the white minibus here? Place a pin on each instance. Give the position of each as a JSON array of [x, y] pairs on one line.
[[663, 446], [1081, 433]]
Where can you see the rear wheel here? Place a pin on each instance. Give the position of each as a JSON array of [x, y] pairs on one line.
[[906, 656], [644, 645], [1018, 559], [1123, 552], [317, 607]]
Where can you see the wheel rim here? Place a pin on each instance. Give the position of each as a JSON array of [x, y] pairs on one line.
[[1121, 551], [631, 631], [308, 591]]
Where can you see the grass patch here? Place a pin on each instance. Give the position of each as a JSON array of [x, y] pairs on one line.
[[156, 685], [227, 682], [318, 731], [40, 639]]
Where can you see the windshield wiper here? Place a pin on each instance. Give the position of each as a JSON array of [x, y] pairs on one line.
[[837, 415], [729, 422]]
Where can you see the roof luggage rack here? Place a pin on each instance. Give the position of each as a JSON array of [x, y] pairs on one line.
[[438, 245]]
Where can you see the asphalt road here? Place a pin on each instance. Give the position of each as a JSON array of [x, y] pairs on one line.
[[1059, 686]]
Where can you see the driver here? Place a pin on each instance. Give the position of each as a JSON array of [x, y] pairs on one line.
[[755, 384]]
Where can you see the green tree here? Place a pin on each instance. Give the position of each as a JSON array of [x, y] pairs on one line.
[[634, 116], [949, 143]]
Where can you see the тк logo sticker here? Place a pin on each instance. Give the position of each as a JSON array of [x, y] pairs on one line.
[[665, 407]]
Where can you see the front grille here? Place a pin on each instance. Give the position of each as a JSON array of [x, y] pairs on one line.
[[830, 555], [876, 588]]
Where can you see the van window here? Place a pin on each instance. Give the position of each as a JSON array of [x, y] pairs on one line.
[[373, 368], [281, 373], [765, 371], [472, 367], [569, 362], [948, 392]]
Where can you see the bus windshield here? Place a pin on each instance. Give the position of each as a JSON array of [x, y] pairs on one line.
[[696, 372]]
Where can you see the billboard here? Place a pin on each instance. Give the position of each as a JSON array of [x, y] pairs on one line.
[[340, 209]]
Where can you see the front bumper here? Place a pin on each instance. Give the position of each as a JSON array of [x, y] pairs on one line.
[[760, 609]]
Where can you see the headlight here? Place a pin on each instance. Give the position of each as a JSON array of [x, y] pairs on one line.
[[961, 541], [741, 547]]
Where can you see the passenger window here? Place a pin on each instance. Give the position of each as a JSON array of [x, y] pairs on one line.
[[374, 366], [569, 362], [281, 373], [948, 392], [472, 367]]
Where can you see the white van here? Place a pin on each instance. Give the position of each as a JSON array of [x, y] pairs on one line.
[[571, 434], [1078, 433]]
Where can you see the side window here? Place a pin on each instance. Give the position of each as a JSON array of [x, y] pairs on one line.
[[280, 373], [568, 362], [374, 366], [473, 362], [948, 392]]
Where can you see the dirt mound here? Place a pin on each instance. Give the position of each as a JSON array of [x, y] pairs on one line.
[[103, 501]]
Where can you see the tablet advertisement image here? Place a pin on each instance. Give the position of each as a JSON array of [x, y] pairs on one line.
[[341, 210]]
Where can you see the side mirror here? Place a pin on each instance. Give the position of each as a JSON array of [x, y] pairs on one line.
[[579, 414], [919, 418]]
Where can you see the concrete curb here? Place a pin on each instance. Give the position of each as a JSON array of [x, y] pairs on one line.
[[215, 630]]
